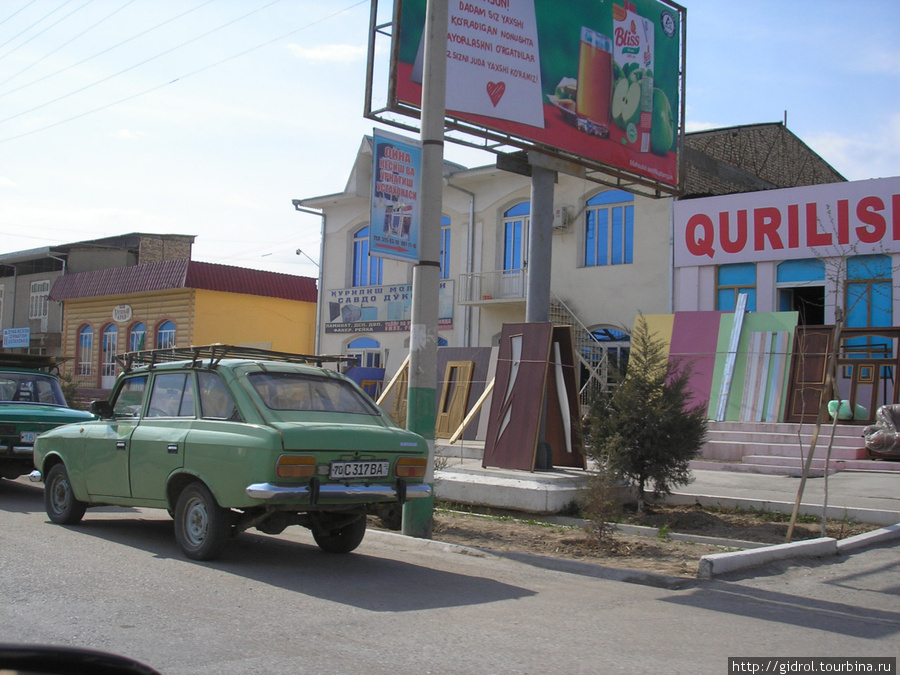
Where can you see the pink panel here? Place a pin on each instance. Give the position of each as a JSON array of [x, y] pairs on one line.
[[694, 340]]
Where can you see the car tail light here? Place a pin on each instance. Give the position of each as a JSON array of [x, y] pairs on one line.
[[295, 466], [411, 467]]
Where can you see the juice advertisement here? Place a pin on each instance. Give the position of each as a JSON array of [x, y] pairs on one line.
[[599, 80], [632, 98]]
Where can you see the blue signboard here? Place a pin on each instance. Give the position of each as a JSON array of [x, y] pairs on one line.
[[16, 338]]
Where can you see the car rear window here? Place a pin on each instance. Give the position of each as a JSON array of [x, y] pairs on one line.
[[30, 388], [298, 391]]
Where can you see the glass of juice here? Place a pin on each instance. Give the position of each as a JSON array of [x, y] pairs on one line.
[[595, 73]]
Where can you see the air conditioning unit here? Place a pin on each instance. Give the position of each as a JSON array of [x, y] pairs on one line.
[[561, 217]]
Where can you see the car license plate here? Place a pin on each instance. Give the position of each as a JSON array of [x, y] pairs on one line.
[[373, 469], [27, 437]]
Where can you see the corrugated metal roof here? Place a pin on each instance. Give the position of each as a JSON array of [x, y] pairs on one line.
[[173, 274]]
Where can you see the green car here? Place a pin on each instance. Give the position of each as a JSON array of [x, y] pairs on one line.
[[229, 438], [31, 402]]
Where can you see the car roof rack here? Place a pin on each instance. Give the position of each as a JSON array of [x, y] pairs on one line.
[[215, 353], [31, 361]]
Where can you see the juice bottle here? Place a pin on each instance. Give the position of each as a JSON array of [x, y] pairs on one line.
[[632, 104]]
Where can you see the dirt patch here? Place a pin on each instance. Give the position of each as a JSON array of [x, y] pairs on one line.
[[662, 554]]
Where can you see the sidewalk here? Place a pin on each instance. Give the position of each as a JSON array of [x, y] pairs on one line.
[[869, 496]]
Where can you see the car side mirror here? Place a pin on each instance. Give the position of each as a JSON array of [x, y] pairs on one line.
[[102, 409]]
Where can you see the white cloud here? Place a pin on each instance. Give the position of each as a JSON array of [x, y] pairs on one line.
[[6, 182], [329, 53], [873, 155]]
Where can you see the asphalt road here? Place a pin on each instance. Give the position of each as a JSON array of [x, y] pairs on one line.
[[118, 583]]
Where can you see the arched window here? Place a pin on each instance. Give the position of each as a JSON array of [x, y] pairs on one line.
[[367, 270], [165, 335], [108, 350], [85, 355], [515, 236], [367, 352], [609, 229], [137, 338]]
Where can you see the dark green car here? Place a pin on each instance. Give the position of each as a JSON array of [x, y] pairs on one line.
[[31, 402], [228, 439]]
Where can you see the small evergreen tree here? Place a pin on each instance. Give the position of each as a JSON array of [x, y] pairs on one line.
[[643, 429]]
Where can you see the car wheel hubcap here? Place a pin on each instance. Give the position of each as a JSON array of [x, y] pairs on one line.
[[60, 495], [196, 522]]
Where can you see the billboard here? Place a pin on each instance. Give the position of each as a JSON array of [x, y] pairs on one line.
[[597, 81], [815, 221], [396, 186], [386, 308]]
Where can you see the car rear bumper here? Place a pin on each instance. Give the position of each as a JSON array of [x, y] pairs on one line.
[[338, 493]]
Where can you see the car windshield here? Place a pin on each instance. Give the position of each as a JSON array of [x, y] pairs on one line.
[[299, 391], [30, 388]]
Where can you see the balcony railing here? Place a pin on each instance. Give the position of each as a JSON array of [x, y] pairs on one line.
[[495, 287]]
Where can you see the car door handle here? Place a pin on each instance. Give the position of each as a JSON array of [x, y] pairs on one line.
[[120, 445], [173, 448]]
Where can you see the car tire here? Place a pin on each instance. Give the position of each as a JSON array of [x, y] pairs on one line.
[[59, 500], [343, 539], [202, 527]]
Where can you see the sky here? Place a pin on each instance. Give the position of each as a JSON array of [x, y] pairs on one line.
[[207, 117]]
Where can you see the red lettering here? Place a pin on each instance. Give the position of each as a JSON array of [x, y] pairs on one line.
[[793, 226], [843, 221], [813, 236], [736, 244], [895, 200], [766, 222], [702, 244], [866, 211]]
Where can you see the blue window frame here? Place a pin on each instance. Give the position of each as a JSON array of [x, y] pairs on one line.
[[367, 270], [515, 236], [609, 229], [165, 335], [868, 303], [137, 337], [367, 351], [732, 280]]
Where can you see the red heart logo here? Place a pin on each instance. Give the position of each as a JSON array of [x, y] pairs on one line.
[[496, 90]]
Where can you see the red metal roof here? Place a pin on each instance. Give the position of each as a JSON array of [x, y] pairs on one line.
[[174, 274]]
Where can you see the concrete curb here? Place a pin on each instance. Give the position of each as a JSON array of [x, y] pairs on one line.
[[850, 544], [873, 516], [722, 563]]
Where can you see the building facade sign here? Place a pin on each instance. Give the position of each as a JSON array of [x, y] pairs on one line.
[[380, 309], [16, 338], [396, 186], [818, 221], [122, 313]]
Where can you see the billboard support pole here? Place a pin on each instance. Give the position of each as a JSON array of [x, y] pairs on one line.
[[421, 394]]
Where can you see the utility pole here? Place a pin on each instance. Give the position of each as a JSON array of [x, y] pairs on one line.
[[421, 394]]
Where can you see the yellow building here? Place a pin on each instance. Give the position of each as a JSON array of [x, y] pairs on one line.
[[178, 303]]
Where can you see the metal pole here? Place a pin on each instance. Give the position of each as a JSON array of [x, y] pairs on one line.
[[540, 243], [421, 394]]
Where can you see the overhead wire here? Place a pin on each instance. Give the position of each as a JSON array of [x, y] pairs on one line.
[[41, 32], [23, 7], [67, 43], [108, 49], [170, 82], [28, 28]]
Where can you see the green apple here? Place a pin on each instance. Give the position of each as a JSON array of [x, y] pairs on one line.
[[662, 134], [626, 103], [636, 74]]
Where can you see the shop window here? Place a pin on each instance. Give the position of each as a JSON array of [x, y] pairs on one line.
[[445, 247], [609, 229], [39, 300], [85, 356], [801, 289], [366, 351], [165, 335], [732, 280], [868, 299], [367, 271], [137, 337]]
